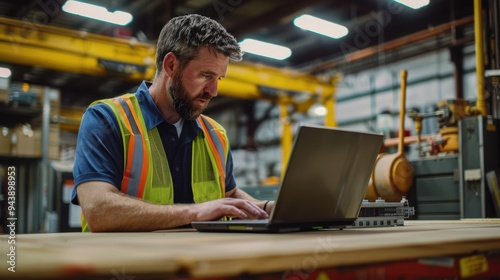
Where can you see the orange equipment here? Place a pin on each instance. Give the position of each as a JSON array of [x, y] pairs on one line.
[[392, 174]]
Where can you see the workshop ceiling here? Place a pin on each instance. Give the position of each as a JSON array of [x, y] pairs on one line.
[[370, 23]]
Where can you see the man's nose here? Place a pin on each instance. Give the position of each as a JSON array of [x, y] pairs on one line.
[[211, 87]]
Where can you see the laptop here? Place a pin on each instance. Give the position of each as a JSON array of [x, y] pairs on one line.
[[323, 186]]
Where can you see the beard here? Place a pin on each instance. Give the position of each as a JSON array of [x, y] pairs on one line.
[[185, 106]]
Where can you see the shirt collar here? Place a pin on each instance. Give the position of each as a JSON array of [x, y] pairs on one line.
[[152, 116]]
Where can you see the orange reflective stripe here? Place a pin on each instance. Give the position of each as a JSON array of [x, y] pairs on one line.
[[130, 155], [145, 159], [137, 155], [221, 153], [218, 158], [219, 134]]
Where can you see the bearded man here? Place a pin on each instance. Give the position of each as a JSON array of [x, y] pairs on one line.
[[150, 160]]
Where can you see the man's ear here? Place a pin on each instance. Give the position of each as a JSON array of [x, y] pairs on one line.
[[170, 62]]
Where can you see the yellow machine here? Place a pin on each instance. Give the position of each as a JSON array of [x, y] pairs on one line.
[[448, 114]]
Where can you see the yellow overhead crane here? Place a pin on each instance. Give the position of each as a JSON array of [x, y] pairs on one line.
[[24, 42]]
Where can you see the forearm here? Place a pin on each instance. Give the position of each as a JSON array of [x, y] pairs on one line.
[[107, 209], [141, 215], [112, 211]]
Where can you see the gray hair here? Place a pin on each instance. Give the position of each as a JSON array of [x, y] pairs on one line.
[[184, 35]]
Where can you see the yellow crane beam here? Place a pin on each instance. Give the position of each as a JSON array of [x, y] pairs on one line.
[[54, 48], [24, 43]]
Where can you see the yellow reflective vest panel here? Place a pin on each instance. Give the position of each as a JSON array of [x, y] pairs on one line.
[[146, 174]]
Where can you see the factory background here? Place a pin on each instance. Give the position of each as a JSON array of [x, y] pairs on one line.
[[57, 63]]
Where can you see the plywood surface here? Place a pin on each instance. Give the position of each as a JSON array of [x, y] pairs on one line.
[[230, 254]]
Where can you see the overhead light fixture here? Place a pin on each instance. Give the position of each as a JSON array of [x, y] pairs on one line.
[[97, 12], [414, 4], [317, 110], [5, 72], [321, 26], [265, 49]]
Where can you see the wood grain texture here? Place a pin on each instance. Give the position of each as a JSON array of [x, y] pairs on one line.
[[187, 252]]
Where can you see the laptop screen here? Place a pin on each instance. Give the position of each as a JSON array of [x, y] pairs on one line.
[[326, 176]]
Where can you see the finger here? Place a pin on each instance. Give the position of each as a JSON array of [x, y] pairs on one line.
[[251, 209], [250, 216], [216, 209], [234, 212]]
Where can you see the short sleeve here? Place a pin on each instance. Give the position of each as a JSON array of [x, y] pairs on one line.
[[99, 149], [230, 181]]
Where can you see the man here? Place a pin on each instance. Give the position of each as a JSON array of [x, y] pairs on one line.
[[150, 160]]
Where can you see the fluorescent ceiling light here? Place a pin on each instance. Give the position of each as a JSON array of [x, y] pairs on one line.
[[414, 4], [97, 12], [265, 49], [5, 72], [321, 26]]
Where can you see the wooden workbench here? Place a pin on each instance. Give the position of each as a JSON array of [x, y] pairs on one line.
[[187, 253]]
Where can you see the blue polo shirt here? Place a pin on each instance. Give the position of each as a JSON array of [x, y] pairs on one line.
[[99, 149]]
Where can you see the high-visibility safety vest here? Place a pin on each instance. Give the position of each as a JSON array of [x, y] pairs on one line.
[[146, 172]]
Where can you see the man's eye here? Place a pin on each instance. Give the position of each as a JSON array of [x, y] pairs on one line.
[[207, 76]]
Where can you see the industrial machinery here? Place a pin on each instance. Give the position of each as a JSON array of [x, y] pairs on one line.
[[452, 167], [448, 114], [451, 170], [392, 174]]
